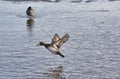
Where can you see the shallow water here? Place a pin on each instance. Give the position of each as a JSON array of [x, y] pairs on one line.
[[92, 52]]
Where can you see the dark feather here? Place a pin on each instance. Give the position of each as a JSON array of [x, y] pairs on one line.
[[62, 40]]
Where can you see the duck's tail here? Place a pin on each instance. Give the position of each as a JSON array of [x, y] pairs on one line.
[[61, 55]]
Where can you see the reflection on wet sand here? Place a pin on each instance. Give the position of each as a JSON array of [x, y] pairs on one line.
[[52, 73], [56, 73], [30, 25]]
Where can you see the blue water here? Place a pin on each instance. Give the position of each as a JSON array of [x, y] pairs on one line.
[[92, 51]]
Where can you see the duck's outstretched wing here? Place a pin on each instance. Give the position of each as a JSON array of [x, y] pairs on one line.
[[62, 40], [55, 38]]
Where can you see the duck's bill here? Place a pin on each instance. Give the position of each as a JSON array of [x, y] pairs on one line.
[[37, 44]]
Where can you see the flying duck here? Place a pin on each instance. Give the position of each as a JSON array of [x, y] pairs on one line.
[[30, 11], [54, 46]]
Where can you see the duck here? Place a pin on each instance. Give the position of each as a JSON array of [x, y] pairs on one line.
[[30, 11], [55, 45]]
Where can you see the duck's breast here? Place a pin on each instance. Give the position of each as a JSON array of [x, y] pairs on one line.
[[53, 50], [31, 13]]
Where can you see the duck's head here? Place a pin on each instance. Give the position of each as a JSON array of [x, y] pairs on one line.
[[41, 43], [29, 7]]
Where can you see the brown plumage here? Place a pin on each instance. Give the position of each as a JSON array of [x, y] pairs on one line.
[[30, 11], [56, 43]]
